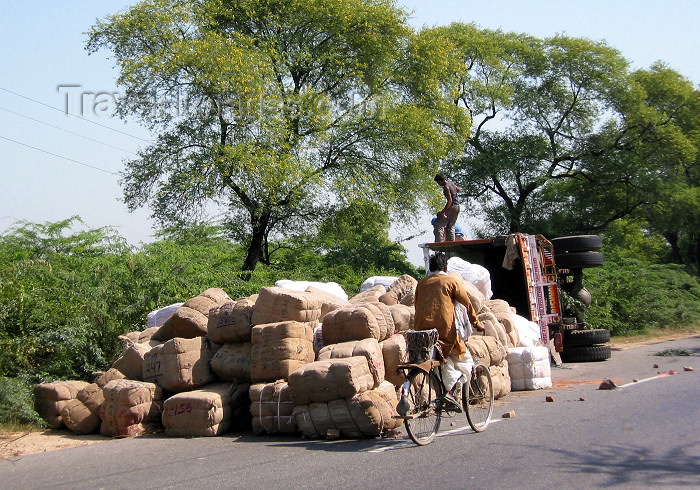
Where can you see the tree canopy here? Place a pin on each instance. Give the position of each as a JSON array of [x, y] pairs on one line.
[[565, 138], [271, 110]]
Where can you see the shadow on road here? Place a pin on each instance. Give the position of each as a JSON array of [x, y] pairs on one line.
[[624, 464]]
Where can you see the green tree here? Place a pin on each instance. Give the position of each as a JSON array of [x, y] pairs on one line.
[[564, 138], [358, 236], [270, 110]]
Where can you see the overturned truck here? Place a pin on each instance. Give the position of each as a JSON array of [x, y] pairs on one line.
[[532, 273]]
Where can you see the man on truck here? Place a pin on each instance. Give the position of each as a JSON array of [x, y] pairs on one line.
[[444, 226], [435, 299]]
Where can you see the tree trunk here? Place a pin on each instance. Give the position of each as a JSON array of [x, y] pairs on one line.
[[672, 239], [257, 241]]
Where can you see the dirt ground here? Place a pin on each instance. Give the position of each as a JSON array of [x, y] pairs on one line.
[[16, 444]]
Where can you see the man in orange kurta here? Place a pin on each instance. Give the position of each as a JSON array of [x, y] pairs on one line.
[[434, 302]]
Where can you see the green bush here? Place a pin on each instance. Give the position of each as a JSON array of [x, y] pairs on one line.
[[631, 297], [16, 403]]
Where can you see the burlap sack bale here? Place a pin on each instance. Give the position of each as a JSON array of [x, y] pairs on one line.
[[367, 414], [272, 408], [50, 398], [217, 295], [203, 412], [372, 295], [280, 349], [109, 375], [475, 296], [131, 408], [190, 320], [278, 305], [355, 322], [493, 327], [146, 335], [409, 299], [330, 301], [230, 321], [500, 379], [232, 362], [403, 286], [487, 349], [389, 298], [403, 317], [78, 418], [331, 379], [129, 338], [504, 314], [92, 397], [478, 350], [394, 353], [180, 364], [131, 362], [386, 315], [368, 348]]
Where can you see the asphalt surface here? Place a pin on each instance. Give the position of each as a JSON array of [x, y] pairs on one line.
[[643, 434]]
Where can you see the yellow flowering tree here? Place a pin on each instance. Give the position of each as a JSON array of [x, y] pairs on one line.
[[273, 110]]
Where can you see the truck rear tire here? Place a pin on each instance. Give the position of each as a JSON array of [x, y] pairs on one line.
[[591, 353], [578, 260], [581, 338], [577, 243]]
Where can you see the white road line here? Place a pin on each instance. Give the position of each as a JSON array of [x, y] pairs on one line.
[[632, 383], [402, 443]]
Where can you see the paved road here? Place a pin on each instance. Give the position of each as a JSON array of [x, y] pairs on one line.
[[644, 434]]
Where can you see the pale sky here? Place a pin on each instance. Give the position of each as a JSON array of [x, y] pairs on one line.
[[54, 166]]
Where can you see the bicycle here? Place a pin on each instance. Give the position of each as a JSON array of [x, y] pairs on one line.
[[423, 394]]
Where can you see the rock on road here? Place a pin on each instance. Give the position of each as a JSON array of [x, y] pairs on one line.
[[643, 434]]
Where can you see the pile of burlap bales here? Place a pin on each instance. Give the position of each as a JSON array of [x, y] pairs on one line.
[[299, 357]]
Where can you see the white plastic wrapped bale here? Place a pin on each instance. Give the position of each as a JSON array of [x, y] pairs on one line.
[[156, 318], [373, 281], [476, 274], [272, 408], [528, 331], [529, 368], [328, 287], [367, 414]]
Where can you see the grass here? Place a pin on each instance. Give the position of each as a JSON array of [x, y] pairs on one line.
[[674, 353]]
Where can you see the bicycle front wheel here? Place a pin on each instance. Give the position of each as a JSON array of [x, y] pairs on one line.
[[424, 414], [477, 400]]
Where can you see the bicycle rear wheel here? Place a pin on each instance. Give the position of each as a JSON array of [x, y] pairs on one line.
[[477, 400], [424, 414]]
